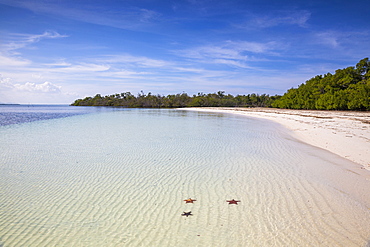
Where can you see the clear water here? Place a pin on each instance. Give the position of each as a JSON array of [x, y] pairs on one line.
[[118, 177], [16, 114]]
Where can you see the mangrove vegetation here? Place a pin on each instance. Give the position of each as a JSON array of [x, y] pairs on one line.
[[149, 100], [346, 89]]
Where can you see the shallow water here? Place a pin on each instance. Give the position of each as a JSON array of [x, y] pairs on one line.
[[17, 114], [118, 177]]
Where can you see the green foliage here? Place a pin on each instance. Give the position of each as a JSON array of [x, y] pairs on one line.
[[347, 89], [177, 100]]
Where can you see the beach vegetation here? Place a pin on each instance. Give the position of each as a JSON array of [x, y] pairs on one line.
[[180, 100], [346, 89]]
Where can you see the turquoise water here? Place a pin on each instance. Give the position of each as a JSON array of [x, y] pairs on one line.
[[118, 177]]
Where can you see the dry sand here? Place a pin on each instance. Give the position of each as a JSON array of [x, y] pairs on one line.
[[344, 133]]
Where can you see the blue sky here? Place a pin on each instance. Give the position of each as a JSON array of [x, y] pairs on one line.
[[55, 51]]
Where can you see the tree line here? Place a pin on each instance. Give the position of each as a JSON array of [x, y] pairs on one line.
[[346, 89], [149, 100]]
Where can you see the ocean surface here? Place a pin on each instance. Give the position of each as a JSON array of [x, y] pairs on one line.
[[90, 176]]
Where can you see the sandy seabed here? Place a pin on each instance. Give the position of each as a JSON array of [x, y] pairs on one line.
[[89, 181], [345, 133]]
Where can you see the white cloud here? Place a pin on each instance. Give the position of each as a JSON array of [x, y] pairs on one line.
[[217, 52], [123, 16], [232, 63], [133, 61], [18, 41], [233, 53], [29, 92], [190, 70], [209, 54], [46, 35], [146, 15], [253, 47], [299, 18], [338, 39], [127, 74], [12, 61], [82, 68], [5, 83], [46, 87], [328, 38]]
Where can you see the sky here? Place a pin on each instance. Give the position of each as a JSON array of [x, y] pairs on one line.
[[56, 51]]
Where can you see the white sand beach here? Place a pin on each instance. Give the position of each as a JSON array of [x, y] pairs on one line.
[[344, 133]]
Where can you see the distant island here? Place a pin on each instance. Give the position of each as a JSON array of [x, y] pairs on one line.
[[346, 89]]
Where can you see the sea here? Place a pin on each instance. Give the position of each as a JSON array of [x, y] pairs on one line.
[[100, 176]]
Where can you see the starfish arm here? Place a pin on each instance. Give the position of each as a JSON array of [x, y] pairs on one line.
[[233, 201], [187, 214], [189, 200]]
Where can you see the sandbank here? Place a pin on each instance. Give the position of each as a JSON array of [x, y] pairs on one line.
[[345, 133]]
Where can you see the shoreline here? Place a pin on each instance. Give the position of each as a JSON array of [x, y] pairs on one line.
[[346, 134]]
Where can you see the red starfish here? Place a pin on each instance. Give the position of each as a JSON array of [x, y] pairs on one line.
[[233, 202], [189, 200]]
